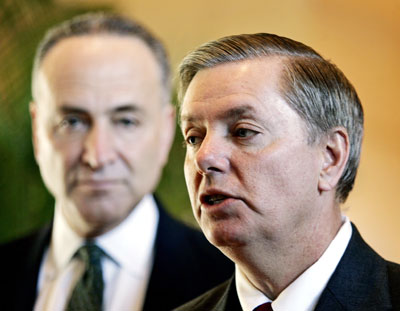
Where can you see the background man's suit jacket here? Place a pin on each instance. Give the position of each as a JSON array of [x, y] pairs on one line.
[[363, 281], [185, 266]]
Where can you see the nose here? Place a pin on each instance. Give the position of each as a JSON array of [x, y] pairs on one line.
[[99, 148], [212, 157]]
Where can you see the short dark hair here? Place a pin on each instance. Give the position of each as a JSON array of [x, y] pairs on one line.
[[103, 23], [313, 86]]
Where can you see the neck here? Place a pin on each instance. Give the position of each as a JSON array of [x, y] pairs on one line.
[[82, 227], [271, 266]]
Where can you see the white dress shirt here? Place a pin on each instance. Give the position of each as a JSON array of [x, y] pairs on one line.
[[304, 292], [126, 268]]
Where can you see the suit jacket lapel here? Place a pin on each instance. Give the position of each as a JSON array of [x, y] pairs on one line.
[[29, 274], [160, 267], [221, 298], [169, 262], [226, 301], [359, 281], [231, 297]]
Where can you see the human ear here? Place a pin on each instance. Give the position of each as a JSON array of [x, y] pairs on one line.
[[336, 149]]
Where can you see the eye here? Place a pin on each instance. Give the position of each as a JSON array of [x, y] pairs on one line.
[[193, 135], [72, 122], [192, 140], [244, 133], [127, 122]]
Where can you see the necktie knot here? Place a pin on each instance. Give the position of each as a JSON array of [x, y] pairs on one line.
[[264, 307], [91, 254]]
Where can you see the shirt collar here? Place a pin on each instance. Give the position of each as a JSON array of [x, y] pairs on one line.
[[249, 296], [130, 244], [305, 291]]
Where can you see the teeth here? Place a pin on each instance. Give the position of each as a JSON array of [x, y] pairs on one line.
[[214, 199]]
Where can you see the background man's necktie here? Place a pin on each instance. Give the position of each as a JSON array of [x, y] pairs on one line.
[[88, 292], [264, 307]]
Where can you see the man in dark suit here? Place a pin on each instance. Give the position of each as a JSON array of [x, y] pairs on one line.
[[102, 128], [273, 134]]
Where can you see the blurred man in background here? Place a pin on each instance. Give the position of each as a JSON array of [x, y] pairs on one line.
[[102, 126], [273, 134]]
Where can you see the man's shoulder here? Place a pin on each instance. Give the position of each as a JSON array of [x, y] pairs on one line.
[[363, 280], [185, 265], [214, 299], [20, 260], [23, 246], [394, 270], [394, 284]]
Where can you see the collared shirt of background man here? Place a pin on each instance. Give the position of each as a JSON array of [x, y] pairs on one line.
[[273, 133], [102, 126]]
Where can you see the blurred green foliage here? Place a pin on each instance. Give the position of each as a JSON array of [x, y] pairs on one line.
[[25, 204]]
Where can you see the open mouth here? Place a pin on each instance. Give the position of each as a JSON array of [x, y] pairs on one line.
[[214, 199]]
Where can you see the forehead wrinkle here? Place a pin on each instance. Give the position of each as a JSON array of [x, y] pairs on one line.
[[230, 114], [236, 112]]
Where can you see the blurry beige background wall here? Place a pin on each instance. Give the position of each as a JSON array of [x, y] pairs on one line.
[[361, 36]]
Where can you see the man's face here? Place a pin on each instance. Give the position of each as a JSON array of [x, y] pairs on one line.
[[250, 172], [101, 128]]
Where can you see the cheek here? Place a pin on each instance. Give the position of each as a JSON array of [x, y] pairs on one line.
[[67, 154], [192, 181], [189, 178], [284, 174], [57, 160], [142, 158]]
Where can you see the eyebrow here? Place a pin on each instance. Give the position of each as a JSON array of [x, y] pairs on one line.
[[230, 114], [71, 108], [127, 108], [66, 108]]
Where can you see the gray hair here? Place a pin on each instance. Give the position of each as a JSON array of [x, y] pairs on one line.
[[314, 87], [103, 23]]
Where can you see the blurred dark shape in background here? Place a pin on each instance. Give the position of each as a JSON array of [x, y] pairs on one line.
[[25, 204]]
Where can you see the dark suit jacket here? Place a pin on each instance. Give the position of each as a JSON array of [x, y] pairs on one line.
[[185, 265], [363, 281]]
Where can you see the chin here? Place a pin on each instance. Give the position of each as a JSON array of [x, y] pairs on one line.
[[97, 213], [225, 236], [95, 218], [98, 225]]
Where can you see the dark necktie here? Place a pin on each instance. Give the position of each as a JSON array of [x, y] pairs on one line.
[[88, 292], [264, 307]]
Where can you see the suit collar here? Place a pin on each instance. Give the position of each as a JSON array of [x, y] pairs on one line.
[[359, 281], [231, 297], [221, 298], [166, 256], [305, 291]]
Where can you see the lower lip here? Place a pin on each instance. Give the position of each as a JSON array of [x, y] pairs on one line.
[[98, 185], [221, 208]]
